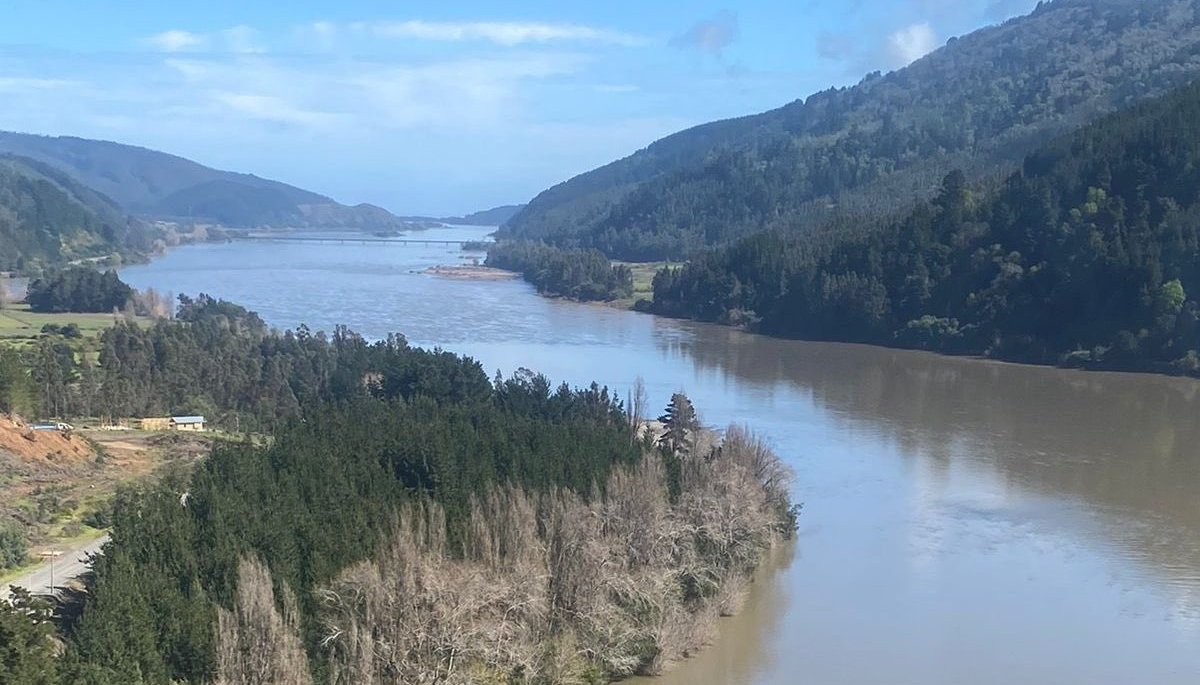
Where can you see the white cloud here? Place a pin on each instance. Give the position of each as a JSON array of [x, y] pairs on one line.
[[365, 95], [470, 93], [191, 70], [327, 36], [615, 88], [910, 44], [507, 33], [272, 109], [176, 40], [19, 83], [490, 109], [238, 39], [322, 34], [242, 39]]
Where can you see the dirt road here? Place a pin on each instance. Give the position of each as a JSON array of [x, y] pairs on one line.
[[72, 564]]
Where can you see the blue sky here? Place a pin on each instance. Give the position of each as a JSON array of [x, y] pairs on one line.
[[438, 107]]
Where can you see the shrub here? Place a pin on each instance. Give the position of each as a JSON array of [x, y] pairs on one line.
[[13, 547]]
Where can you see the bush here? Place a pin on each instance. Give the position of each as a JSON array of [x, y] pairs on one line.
[[13, 547], [1189, 363], [929, 333], [18, 392], [78, 289], [99, 519]]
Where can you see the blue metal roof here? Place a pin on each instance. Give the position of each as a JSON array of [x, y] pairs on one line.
[[187, 419]]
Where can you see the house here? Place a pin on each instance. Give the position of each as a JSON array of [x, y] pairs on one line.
[[156, 424], [187, 423]]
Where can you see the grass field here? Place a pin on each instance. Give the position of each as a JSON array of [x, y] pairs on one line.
[[643, 281], [18, 324]]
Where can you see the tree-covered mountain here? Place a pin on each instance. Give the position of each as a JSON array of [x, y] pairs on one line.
[[496, 216], [155, 184], [1088, 255], [46, 217], [979, 104]]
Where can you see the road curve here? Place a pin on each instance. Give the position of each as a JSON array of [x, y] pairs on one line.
[[71, 565]]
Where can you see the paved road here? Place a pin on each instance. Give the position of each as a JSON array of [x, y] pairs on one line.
[[72, 564]]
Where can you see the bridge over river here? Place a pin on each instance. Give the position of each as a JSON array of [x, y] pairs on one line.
[[354, 240]]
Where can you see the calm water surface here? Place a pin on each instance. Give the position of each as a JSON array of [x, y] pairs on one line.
[[965, 522]]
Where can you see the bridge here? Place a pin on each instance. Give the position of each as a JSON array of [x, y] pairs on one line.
[[354, 240]]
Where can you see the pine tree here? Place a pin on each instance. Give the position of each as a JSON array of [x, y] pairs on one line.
[[26, 643], [680, 426]]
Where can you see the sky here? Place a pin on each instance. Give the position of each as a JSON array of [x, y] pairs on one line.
[[438, 108]]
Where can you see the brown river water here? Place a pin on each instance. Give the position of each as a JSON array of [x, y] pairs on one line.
[[965, 522]]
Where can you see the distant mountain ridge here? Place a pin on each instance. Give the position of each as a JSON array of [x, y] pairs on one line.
[[978, 104], [496, 216], [159, 185]]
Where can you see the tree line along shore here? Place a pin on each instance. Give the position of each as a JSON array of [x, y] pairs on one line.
[[1086, 256], [407, 518]]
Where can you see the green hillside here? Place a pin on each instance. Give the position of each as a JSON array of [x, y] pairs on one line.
[[159, 185], [979, 104], [1089, 255], [48, 218]]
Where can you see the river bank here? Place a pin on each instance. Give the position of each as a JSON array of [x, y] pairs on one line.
[[950, 503], [641, 301], [471, 272]]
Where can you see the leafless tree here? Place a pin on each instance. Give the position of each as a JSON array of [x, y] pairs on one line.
[[555, 587], [636, 407], [417, 615], [768, 470], [257, 643], [150, 303]]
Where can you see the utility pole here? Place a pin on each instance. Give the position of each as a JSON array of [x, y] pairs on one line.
[[51, 555]]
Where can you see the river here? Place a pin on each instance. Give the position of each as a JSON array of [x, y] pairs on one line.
[[965, 522]]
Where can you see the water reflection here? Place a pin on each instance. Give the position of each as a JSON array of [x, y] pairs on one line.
[[1126, 447], [743, 650], [965, 522]]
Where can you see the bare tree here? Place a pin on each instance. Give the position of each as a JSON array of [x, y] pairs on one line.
[[768, 470], [150, 302], [5, 292], [417, 615], [558, 587], [636, 407], [257, 644]]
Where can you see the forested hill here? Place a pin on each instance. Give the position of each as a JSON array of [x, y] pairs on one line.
[[48, 218], [496, 216], [159, 185], [1089, 255], [979, 104]]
